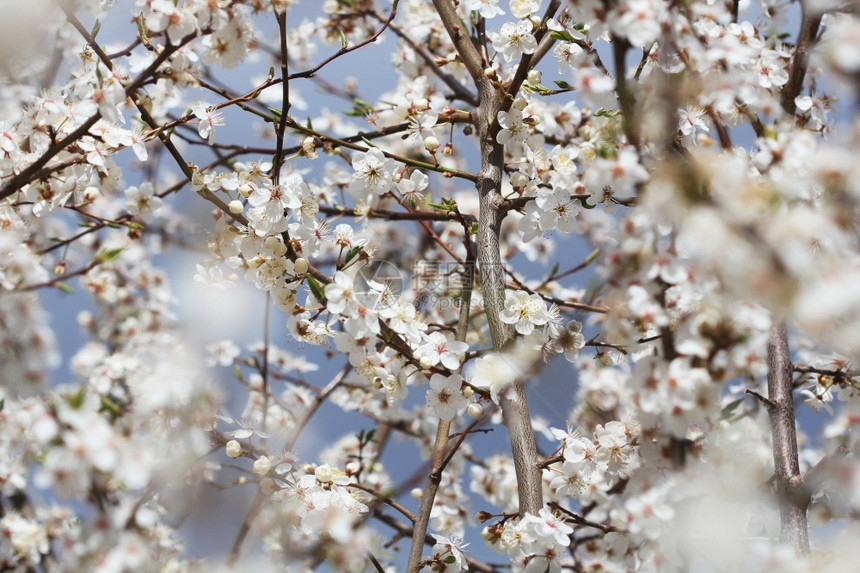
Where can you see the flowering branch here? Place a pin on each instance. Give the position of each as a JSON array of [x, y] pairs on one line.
[[515, 408], [458, 89], [438, 459], [402, 159], [26, 175], [810, 22]]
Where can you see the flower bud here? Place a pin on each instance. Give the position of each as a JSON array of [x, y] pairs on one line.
[[534, 77], [233, 449], [262, 465], [245, 189], [431, 144], [86, 319], [490, 73], [91, 194], [475, 410], [301, 266], [425, 363], [416, 493], [352, 468], [468, 392], [448, 150], [483, 516], [519, 179], [324, 473], [520, 103], [308, 148], [235, 206]]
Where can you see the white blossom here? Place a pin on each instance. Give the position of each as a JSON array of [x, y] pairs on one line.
[[515, 39]]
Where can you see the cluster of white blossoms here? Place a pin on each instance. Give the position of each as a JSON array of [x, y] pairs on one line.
[[708, 177], [537, 542]]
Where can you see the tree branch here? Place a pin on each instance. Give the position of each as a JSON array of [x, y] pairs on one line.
[[463, 43], [440, 447], [789, 483], [806, 38], [515, 409]]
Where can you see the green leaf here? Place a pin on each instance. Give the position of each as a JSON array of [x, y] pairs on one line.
[[343, 41], [605, 151], [276, 112], [536, 88], [316, 289], [360, 108], [96, 27], [562, 35], [108, 405], [2, 404], [76, 400], [135, 226], [64, 287], [730, 409], [352, 253], [107, 255], [562, 84], [447, 204], [368, 142], [141, 30]]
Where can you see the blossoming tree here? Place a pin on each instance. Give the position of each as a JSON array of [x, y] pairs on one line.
[[416, 246]]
